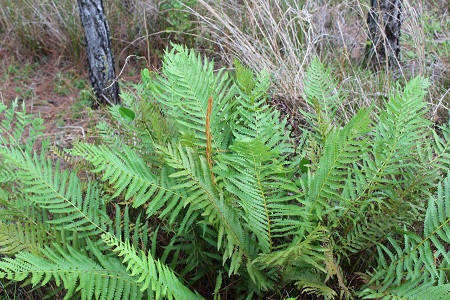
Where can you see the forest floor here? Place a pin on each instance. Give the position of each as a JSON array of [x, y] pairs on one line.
[[55, 91]]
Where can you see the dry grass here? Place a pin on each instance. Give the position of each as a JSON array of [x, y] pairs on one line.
[[279, 35], [49, 28], [283, 35], [273, 35]]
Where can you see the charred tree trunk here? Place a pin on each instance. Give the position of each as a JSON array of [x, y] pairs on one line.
[[99, 53], [384, 21]]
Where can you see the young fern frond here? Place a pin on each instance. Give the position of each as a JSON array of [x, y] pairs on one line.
[[254, 170], [150, 273], [336, 177], [323, 96]]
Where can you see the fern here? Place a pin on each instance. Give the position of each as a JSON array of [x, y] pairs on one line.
[[343, 148], [193, 175], [194, 183], [187, 85], [127, 172], [421, 262], [323, 96], [150, 273], [254, 170], [13, 239], [73, 270]]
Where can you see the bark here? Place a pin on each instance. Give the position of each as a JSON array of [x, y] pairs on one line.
[[384, 21], [99, 52]]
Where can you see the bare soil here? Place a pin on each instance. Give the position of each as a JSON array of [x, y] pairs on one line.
[[55, 91]]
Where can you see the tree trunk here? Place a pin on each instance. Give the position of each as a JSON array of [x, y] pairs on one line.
[[99, 53], [384, 21]]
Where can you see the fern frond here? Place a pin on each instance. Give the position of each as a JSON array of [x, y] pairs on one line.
[[193, 175], [323, 96], [397, 172], [420, 260], [254, 170], [311, 283], [420, 292], [303, 251], [400, 129], [16, 237], [256, 176], [364, 235], [150, 273], [336, 177], [60, 193], [188, 83], [127, 173], [17, 128], [72, 269]]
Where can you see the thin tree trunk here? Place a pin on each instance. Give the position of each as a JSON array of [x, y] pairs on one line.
[[99, 53], [384, 21]]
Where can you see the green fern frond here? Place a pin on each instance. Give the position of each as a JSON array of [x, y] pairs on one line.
[[311, 283], [335, 176], [150, 273], [302, 252], [56, 192], [364, 235], [394, 173], [188, 83], [17, 128], [323, 96], [420, 292], [419, 260], [256, 176], [127, 173], [60, 193], [400, 129], [193, 175], [16, 237], [244, 77], [72, 269], [254, 170]]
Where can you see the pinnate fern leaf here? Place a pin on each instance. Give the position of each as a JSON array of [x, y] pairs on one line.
[[128, 174], [188, 82], [193, 174], [58, 192], [150, 273], [75, 271], [323, 97], [420, 262]]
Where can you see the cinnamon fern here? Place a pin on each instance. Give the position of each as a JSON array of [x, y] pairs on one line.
[[194, 189]]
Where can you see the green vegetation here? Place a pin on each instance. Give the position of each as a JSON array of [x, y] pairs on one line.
[[194, 189], [266, 163]]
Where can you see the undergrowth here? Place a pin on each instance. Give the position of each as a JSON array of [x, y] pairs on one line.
[[195, 190]]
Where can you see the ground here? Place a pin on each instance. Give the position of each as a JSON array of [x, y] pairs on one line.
[[56, 91]]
